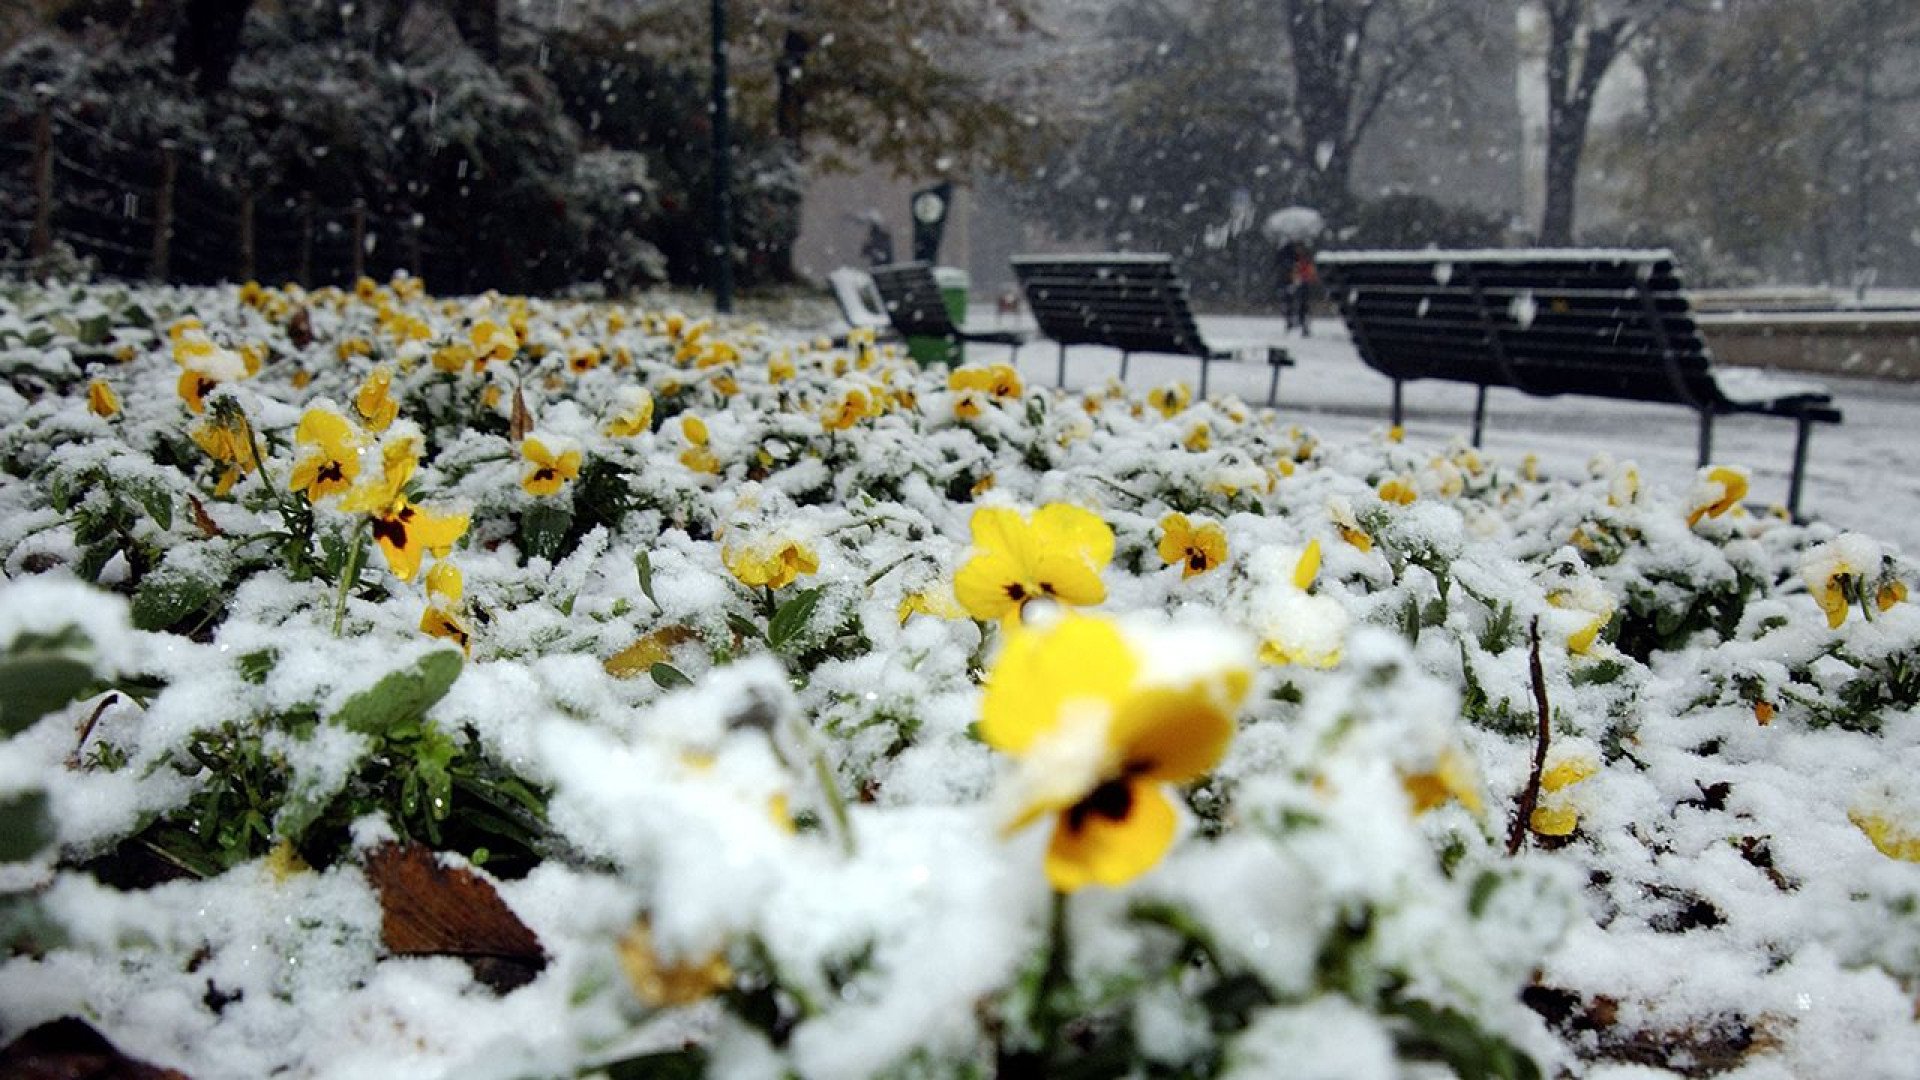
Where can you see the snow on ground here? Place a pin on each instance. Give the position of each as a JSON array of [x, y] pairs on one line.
[[815, 715], [1863, 474]]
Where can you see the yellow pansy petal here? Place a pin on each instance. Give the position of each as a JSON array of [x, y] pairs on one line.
[[1175, 531], [1171, 735], [990, 586], [1040, 671], [444, 581], [1116, 834], [1554, 820], [1065, 526], [1308, 567], [1067, 576], [1567, 773]]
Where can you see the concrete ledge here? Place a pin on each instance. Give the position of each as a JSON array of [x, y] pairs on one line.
[[1882, 344]]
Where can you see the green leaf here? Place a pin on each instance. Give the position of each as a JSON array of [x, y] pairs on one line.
[[688, 1064], [543, 531], [256, 666], [24, 828], [1435, 1034], [792, 618], [643, 566], [155, 499], [166, 597], [401, 696], [668, 677], [93, 331], [34, 683], [739, 624]]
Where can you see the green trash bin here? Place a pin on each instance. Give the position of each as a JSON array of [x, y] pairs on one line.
[[954, 285]]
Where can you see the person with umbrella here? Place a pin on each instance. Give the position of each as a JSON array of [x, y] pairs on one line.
[[1294, 228]]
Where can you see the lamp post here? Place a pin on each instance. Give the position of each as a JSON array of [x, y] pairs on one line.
[[722, 249]]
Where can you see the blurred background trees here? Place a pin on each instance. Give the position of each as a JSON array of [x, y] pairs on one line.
[[543, 144]]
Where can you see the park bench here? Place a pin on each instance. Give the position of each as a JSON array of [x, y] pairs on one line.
[[1600, 323], [1133, 303], [912, 300], [859, 301]]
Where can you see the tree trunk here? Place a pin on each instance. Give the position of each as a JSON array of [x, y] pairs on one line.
[[789, 77], [207, 44], [478, 22], [1572, 82]]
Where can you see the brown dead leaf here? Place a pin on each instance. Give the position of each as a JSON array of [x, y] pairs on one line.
[[656, 648], [69, 1049], [432, 910], [200, 517], [300, 329], [522, 420]]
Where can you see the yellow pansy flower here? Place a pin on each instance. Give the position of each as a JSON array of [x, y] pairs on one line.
[[697, 456], [663, 984], [1835, 573], [1893, 592], [849, 408], [1398, 490], [228, 439], [780, 367], [969, 404], [634, 415], [442, 618], [334, 463], [1170, 399], [101, 400], [404, 530], [1588, 600], [1199, 438], [1718, 492], [1556, 814], [771, 562], [1349, 527], [1058, 554], [581, 361], [374, 400], [1098, 736], [452, 357], [1298, 627], [1452, 777], [1195, 549], [548, 470], [937, 601], [492, 341], [205, 365]]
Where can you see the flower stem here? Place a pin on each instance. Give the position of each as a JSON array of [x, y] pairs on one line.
[[1047, 1015], [836, 802], [348, 574]]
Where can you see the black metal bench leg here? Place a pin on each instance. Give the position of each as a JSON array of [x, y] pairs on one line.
[[1706, 437], [1800, 439], [1479, 413], [1204, 360], [1060, 379], [1399, 418], [1273, 383], [1125, 359]]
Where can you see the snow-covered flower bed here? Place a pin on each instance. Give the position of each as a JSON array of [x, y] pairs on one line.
[[492, 687]]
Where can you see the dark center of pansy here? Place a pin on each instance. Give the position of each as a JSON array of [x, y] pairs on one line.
[[1112, 800]]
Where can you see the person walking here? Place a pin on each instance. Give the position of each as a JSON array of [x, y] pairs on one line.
[[1302, 277], [1289, 257]]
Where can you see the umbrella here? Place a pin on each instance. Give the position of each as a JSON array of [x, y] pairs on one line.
[[1294, 223]]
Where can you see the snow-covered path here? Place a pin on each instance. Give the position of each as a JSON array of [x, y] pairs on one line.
[[1864, 474]]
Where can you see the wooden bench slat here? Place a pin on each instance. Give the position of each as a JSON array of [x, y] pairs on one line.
[[1132, 303], [1610, 324]]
